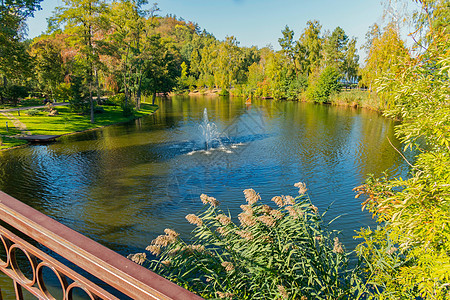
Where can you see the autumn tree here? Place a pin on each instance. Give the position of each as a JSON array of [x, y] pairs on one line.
[[387, 54], [82, 19]]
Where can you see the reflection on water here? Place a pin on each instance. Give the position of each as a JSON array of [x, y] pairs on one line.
[[124, 184]]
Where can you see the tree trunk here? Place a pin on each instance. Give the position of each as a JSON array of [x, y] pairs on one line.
[[138, 95], [98, 86], [5, 82], [91, 102], [154, 98]]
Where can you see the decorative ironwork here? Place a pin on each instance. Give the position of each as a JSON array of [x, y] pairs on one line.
[[25, 264]]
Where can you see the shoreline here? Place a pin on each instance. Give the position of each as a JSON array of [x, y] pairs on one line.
[[82, 131]]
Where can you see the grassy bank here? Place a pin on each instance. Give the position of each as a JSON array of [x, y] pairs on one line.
[[356, 98], [66, 122]]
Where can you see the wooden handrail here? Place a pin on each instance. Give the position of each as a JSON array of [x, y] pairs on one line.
[[115, 270]]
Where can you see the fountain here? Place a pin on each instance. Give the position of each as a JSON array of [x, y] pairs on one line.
[[211, 137]]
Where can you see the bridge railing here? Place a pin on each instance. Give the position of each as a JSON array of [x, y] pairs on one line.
[[29, 266]]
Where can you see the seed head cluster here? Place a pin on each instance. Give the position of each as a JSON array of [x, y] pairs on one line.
[[245, 234], [267, 220], [154, 249], [246, 220], [337, 246], [224, 220], [301, 187], [282, 291], [276, 214], [211, 200], [138, 258], [278, 201], [229, 267], [222, 295], [251, 196], [247, 208], [193, 219]]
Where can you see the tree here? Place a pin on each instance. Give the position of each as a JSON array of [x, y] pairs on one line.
[[160, 68], [407, 256], [82, 19], [48, 63], [289, 47], [326, 84], [350, 65], [387, 54], [311, 43], [14, 59], [335, 48]]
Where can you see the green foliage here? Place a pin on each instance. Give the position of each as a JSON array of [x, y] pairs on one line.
[[282, 253], [12, 93], [32, 111], [326, 84], [78, 102], [415, 211]]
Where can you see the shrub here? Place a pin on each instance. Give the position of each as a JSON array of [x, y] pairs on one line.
[[274, 253], [327, 83], [32, 112]]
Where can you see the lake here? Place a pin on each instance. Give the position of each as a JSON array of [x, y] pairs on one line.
[[123, 184]]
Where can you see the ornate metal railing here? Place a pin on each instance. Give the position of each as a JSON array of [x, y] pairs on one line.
[[29, 266]]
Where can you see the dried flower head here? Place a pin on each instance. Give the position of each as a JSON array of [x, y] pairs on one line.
[[301, 187], [282, 291], [266, 209], [222, 231], [213, 201], [268, 220], [392, 250], [278, 201], [289, 200], [193, 219], [245, 234], [166, 262], [318, 238], [337, 246], [198, 248], [251, 196], [224, 295], [315, 209], [292, 211], [204, 198], [171, 233], [228, 266], [246, 219], [247, 208], [174, 252], [154, 249], [162, 241], [276, 214], [223, 219], [138, 258]]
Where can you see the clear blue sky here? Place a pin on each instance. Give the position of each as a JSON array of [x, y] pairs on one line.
[[257, 22]]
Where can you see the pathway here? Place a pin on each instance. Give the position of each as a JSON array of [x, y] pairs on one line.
[[16, 122], [31, 107]]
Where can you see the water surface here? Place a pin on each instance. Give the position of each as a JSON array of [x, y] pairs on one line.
[[122, 185]]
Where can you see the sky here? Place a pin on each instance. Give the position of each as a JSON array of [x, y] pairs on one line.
[[256, 22]]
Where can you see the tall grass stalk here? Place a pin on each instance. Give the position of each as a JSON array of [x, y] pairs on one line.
[[285, 252]]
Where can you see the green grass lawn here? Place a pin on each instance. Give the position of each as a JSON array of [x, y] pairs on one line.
[[66, 122]]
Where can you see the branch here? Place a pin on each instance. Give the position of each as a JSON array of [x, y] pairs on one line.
[[401, 154]]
